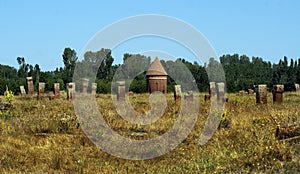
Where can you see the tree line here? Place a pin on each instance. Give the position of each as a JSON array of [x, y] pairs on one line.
[[241, 72]]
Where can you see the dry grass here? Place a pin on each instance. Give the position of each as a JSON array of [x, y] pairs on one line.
[[41, 136]]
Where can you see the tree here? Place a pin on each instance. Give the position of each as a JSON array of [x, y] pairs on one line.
[[105, 66], [69, 58], [37, 71], [23, 67]]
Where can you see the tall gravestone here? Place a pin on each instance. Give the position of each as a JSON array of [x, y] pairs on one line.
[[120, 90], [297, 88], [94, 88], [177, 92], [70, 90], [41, 90], [30, 85], [221, 91], [56, 90], [278, 93], [85, 84], [212, 90], [22, 90], [261, 94]]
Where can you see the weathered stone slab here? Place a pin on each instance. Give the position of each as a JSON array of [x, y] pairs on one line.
[[221, 91], [41, 91], [30, 85], [22, 90], [70, 90], [278, 93], [212, 89], [94, 88], [120, 90], [261, 94], [85, 84], [177, 92], [297, 86], [56, 90]]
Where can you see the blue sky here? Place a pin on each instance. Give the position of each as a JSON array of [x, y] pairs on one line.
[[40, 30]]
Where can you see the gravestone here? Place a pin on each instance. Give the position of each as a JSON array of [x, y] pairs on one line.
[[30, 85], [120, 90], [56, 90], [41, 90], [261, 94], [22, 90], [221, 91], [278, 93], [189, 96], [212, 89], [177, 92], [94, 88], [297, 88], [85, 84], [70, 90], [241, 93], [250, 91]]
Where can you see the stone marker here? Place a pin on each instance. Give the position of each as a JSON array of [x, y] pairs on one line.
[[56, 90], [22, 89], [297, 87], [261, 94], [212, 89], [41, 90], [250, 91], [278, 93], [177, 92], [70, 90], [85, 84], [189, 96], [241, 93], [120, 90], [94, 88], [221, 91], [30, 85]]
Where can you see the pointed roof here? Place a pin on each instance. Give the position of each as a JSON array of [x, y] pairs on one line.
[[156, 68]]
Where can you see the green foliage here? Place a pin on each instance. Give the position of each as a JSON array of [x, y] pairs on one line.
[[138, 86], [69, 59], [241, 72], [103, 86]]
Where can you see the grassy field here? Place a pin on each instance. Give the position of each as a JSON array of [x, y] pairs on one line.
[[39, 136]]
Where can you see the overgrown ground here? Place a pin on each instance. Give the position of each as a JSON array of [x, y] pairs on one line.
[[40, 136]]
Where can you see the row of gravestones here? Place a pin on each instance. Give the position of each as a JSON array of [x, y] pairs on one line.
[[70, 89], [262, 93], [216, 92], [178, 94]]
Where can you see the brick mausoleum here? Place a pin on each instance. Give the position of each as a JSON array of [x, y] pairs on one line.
[[156, 77]]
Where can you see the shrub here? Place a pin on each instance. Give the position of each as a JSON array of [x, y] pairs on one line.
[[9, 96]]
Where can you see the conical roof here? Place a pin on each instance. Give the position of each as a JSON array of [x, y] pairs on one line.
[[156, 69]]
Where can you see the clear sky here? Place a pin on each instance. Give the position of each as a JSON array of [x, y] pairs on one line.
[[40, 30]]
